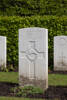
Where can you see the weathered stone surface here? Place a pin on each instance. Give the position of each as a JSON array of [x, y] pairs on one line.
[[33, 57], [60, 53], [2, 51]]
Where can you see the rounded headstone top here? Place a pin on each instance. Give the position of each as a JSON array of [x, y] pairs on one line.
[[33, 28], [61, 36], [60, 40]]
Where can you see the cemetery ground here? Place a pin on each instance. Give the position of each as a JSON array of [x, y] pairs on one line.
[[57, 89]]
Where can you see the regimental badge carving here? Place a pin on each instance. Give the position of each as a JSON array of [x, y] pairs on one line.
[[32, 53], [63, 42]]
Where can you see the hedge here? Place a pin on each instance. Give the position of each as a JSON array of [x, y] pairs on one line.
[[33, 7], [9, 27]]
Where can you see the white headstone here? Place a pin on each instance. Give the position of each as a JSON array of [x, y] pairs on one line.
[[33, 57], [2, 51], [60, 53]]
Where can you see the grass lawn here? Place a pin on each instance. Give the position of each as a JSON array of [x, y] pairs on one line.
[[9, 77], [57, 79], [12, 77], [53, 79], [14, 98]]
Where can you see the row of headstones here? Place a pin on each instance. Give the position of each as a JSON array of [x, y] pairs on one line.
[[33, 56]]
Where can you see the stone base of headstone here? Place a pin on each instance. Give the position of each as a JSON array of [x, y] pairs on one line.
[[24, 81], [60, 69]]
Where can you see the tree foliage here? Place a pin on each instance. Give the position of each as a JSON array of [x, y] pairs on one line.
[[33, 7]]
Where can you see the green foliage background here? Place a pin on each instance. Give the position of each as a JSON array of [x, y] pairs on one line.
[[33, 7], [9, 27]]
